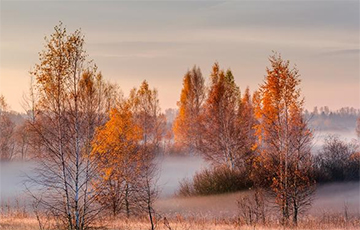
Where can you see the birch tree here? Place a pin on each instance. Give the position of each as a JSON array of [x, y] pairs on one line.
[[116, 150], [7, 131], [125, 149], [68, 109], [221, 141], [186, 126], [147, 114], [284, 139], [148, 117]]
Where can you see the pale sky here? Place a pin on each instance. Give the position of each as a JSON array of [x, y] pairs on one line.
[[160, 41]]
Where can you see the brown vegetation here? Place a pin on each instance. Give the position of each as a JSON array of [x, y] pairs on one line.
[[327, 221]]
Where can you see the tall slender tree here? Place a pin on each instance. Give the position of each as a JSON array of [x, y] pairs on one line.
[[302, 182], [146, 109], [68, 109], [116, 149], [148, 116], [247, 122], [284, 138], [221, 141], [7, 132], [187, 123]]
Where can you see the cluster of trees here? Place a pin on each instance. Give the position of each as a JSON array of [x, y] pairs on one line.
[[337, 160], [95, 149], [264, 136], [125, 149], [14, 136], [263, 139], [215, 121], [326, 111], [342, 119]]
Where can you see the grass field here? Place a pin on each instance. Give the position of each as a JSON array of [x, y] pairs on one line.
[[30, 223], [217, 212]]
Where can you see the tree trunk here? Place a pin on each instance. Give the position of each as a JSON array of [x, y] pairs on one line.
[[295, 216], [127, 200], [150, 217]]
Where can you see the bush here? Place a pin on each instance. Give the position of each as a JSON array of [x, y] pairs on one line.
[[186, 188], [337, 161], [215, 181], [253, 208]]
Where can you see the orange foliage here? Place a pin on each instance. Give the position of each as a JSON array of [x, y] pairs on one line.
[[284, 139], [186, 125], [116, 143]]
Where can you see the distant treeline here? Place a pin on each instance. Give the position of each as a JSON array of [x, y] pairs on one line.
[[324, 119]]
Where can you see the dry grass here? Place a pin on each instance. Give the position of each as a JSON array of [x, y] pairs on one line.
[[180, 223], [218, 212], [18, 223]]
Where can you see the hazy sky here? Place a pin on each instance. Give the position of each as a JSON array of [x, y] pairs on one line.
[[160, 41]]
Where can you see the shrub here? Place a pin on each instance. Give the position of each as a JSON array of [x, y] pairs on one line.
[[337, 161], [253, 207], [186, 188], [215, 181]]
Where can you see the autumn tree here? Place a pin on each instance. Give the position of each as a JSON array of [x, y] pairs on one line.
[[7, 131], [223, 139], [147, 189], [284, 139], [146, 109], [247, 123], [125, 149], [148, 116], [70, 104], [27, 139], [301, 178], [22, 139], [116, 149], [187, 123]]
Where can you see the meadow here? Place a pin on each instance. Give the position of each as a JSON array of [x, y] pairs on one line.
[[335, 206]]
